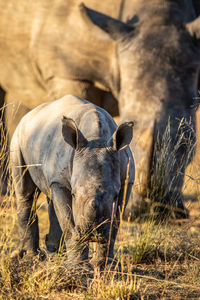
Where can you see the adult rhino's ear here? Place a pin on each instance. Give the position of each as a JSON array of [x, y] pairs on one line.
[[194, 29], [72, 135], [122, 137], [113, 27]]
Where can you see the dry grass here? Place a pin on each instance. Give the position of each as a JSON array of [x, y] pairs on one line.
[[158, 261]]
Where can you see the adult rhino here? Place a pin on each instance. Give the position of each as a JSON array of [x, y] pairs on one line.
[[150, 64]]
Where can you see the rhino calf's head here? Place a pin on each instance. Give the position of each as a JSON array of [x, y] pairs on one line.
[[95, 180]]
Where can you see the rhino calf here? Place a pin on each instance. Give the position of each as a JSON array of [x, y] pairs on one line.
[[72, 151]]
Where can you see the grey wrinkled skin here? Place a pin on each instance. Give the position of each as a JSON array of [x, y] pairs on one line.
[[149, 60], [72, 151]]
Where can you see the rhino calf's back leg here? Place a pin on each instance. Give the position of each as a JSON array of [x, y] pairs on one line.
[[25, 191], [53, 238]]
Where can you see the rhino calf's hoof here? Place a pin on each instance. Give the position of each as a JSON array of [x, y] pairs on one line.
[[51, 247], [18, 254]]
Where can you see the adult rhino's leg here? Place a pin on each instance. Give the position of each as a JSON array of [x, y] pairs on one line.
[[3, 146], [59, 87], [62, 202], [26, 204], [107, 101], [174, 147], [161, 153], [53, 238], [12, 114], [2, 101], [15, 110], [141, 147]]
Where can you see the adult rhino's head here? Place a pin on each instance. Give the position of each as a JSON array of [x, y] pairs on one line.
[[154, 74], [95, 181]]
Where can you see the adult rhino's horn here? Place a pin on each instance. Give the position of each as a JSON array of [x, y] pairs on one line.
[[194, 29], [122, 137], [115, 28], [72, 135]]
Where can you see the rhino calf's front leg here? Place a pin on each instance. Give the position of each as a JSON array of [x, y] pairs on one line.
[[104, 253], [54, 238], [62, 202]]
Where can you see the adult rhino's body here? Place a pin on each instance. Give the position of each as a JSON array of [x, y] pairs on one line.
[[82, 163], [150, 64], [39, 37]]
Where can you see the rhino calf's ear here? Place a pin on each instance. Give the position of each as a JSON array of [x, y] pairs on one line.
[[122, 137], [72, 135]]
